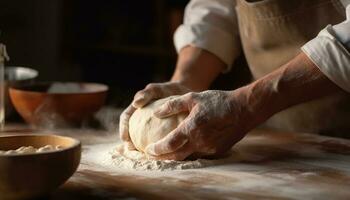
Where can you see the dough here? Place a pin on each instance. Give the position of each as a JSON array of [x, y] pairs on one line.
[[145, 128], [30, 150]]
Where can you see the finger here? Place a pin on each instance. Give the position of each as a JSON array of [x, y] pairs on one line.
[[170, 143], [130, 146], [124, 123], [173, 107], [181, 154], [143, 97]]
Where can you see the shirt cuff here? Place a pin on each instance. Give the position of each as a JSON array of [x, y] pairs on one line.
[[342, 31], [331, 57], [212, 39]]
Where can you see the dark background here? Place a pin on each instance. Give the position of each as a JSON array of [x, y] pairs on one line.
[[125, 44]]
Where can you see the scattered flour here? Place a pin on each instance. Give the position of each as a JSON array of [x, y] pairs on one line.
[[110, 156]]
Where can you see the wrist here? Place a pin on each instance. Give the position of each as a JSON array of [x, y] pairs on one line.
[[251, 104], [260, 101], [263, 98]]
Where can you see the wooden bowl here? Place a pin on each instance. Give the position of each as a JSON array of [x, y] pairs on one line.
[[58, 104], [38, 174]]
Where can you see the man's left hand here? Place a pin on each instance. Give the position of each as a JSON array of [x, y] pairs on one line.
[[216, 121]]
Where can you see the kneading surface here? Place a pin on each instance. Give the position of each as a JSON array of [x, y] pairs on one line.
[[145, 128]]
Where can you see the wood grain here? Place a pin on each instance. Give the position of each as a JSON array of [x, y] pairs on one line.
[[264, 165]]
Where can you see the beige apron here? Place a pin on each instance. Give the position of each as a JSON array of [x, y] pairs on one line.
[[272, 33]]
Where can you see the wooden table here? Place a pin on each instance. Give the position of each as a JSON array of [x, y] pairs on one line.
[[270, 165]]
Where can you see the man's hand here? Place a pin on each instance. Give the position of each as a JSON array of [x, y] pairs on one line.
[[195, 70], [217, 120], [152, 92]]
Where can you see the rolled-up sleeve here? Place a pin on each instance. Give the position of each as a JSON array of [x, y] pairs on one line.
[[210, 25], [329, 51]]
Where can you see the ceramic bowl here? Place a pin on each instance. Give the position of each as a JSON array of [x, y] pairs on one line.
[[58, 104], [29, 176]]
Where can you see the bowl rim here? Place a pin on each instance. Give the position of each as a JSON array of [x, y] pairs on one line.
[[104, 88], [76, 143]]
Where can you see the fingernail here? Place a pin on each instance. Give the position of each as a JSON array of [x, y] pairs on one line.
[[140, 101], [130, 146], [136, 103]]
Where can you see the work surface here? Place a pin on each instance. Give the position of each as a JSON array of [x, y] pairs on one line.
[[264, 165]]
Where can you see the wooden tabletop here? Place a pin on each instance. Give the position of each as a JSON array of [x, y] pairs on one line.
[[267, 165]]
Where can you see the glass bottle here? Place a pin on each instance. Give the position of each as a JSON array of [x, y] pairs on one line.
[[3, 57]]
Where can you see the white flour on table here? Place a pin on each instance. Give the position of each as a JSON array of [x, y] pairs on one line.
[[107, 156], [260, 167]]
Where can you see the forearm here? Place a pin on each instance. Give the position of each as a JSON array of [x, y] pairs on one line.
[[296, 82], [197, 68]]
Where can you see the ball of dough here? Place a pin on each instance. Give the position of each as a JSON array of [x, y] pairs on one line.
[[145, 128]]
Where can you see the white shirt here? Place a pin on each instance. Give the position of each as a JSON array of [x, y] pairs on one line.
[[212, 25], [330, 52]]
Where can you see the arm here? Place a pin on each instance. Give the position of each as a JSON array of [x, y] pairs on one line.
[[322, 69], [211, 26], [296, 82], [219, 119], [207, 42], [330, 52], [197, 68]]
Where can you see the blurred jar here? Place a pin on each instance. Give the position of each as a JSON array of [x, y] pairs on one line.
[[16, 76]]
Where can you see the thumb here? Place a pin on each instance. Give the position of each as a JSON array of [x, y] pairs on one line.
[[124, 123], [170, 143]]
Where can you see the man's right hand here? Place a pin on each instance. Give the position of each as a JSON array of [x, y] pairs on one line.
[[151, 92]]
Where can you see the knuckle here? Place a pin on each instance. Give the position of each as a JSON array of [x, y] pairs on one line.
[[123, 118], [191, 95], [150, 86], [139, 93], [153, 89], [169, 105]]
